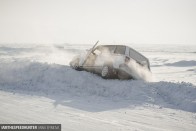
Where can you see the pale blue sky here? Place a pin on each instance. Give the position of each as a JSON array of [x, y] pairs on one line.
[[86, 21]]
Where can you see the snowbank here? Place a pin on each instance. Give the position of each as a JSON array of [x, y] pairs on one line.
[[182, 63], [53, 79]]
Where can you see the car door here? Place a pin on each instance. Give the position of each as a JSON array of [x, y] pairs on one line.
[[89, 63], [119, 55]]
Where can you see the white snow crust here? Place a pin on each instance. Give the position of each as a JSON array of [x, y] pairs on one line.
[[38, 86]]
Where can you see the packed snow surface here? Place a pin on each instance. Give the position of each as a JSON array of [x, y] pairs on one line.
[[38, 86]]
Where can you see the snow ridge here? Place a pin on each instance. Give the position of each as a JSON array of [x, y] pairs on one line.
[[50, 79]]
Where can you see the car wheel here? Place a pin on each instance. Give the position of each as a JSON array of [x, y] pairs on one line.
[[106, 72], [75, 65]]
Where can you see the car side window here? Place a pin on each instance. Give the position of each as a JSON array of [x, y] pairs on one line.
[[120, 50], [111, 49], [136, 56]]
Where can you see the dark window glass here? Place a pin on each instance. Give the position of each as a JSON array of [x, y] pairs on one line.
[[111, 48], [120, 50]]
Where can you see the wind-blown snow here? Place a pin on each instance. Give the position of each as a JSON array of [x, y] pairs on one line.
[[139, 72]]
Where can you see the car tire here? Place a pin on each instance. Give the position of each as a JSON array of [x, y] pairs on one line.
[[75, 65], [106, 72]]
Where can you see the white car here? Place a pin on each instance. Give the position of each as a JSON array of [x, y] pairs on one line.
[[110, 61]]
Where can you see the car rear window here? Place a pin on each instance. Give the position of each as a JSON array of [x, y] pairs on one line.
[[120, 50]]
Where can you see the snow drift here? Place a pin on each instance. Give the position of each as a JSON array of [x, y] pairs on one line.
[[32, 91], [53, 79]]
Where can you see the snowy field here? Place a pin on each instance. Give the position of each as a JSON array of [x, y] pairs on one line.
[[38, 86]]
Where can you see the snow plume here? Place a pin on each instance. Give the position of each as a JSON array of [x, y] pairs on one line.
[[139, 72], [58, 56], [83, 56], [104, 55]]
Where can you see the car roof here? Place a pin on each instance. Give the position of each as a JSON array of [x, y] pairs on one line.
[[112, 45]]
